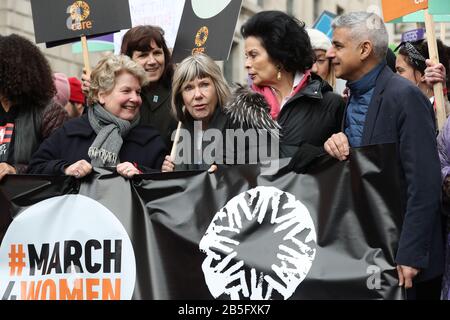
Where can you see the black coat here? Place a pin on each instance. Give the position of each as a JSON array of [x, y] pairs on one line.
[[219, 122], [156, 112], [307, 120], [399, 113], [233, 135], [31, 126], [143, 145]]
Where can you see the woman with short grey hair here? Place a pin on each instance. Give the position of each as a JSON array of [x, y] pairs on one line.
[[202, 102], [199, 94], [198, 66]]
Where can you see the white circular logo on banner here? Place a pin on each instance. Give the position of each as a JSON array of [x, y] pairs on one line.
[[67, 248], [263, 227], [206, 9]]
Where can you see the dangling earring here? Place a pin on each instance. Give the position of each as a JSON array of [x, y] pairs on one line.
[[279, 73]]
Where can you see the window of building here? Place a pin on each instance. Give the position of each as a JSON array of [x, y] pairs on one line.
[[290, 6], [400, 28], [316, 9], [228, 66]]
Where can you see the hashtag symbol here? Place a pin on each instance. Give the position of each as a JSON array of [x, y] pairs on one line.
[[16, 260]]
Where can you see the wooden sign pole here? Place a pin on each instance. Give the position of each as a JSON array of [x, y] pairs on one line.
[[443, 35], [87, 65], [173, 152], [434, 56]]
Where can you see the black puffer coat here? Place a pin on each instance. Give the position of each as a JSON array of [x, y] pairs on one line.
[[307, 120]]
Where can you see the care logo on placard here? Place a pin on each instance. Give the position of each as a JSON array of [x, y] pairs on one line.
[[200, 40], [78, 12], [67, 248]]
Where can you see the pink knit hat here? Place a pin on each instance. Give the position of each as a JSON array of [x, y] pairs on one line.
[[62, 88]]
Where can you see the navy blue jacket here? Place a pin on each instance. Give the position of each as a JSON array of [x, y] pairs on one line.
[[143, 145], [399, 113]]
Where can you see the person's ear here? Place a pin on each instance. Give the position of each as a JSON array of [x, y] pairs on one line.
[[419, 75], [366, 49], [101, 97]]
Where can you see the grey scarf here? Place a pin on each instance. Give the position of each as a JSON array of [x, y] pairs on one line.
[[104, 151]]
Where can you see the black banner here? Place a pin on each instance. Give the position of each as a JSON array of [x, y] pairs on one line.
[[235, 234], [58, 20]]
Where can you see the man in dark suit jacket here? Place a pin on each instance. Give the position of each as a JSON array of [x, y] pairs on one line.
[[385, 108]]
